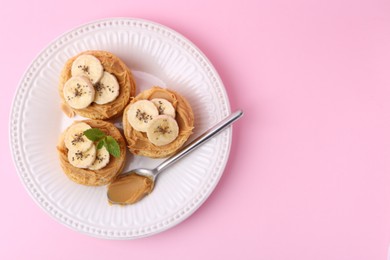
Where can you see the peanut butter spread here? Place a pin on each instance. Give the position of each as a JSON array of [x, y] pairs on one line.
[[138, 142], [129, 189]]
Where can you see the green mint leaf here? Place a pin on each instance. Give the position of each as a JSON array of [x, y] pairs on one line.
[[112, 146], [100, 144], [94, 134]]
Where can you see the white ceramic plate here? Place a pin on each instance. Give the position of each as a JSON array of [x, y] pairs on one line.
[[158, 56]]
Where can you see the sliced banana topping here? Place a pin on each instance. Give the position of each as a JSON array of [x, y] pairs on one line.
[[107, 89], [141, 113], [79, 92], [75, 139], [89, 66], [81, 159], [164, 107], [162, 130], [101, 160]]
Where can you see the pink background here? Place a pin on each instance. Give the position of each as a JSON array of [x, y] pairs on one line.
[[308, 176]]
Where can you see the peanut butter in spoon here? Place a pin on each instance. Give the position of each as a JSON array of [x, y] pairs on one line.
[[129, 189]]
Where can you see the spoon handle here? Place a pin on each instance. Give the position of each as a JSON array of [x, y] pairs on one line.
[[200, 140]]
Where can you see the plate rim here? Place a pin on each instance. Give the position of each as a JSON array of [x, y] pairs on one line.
[[21, 93]]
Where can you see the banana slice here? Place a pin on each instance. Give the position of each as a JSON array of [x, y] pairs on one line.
[[75, 139], [141, 113], [81, 159], [162, 130], [79, 92], [164, 107], [89, 66], [107, 89], [101, 160]]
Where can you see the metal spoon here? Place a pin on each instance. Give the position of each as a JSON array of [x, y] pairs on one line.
[[144, 179]]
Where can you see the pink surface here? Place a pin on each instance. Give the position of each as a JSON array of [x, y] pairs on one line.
[[308, 176]]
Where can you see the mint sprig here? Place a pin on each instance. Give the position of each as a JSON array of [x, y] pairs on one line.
[[109, 142]]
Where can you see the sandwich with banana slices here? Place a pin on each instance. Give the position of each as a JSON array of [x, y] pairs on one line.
[[157, 122], [92, 152], [95, 84]]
